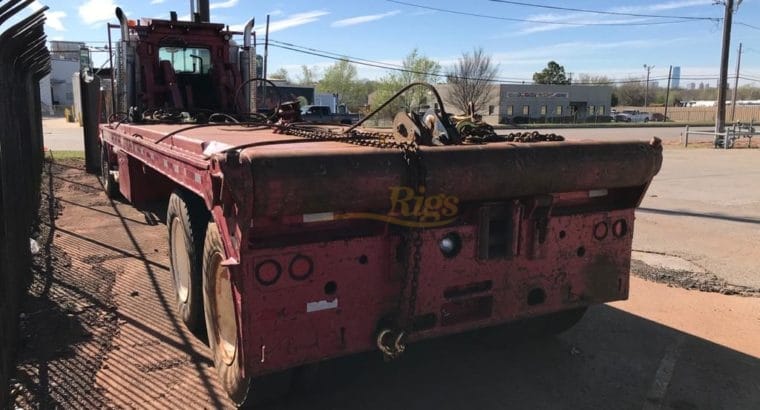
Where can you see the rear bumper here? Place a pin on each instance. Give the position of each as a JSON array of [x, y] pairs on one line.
[[354, 284]]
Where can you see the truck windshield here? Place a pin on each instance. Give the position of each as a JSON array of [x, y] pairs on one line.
[[186, 60]]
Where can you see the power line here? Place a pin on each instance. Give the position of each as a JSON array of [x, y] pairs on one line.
[[357, 60], [563, 23], [747, 25], [394, 67], [613, 13]]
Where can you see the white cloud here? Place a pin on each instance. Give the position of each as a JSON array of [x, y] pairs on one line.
[[54, 18], [97, 11], [157, 1], [298, 19], [223, 5], [275, 12], [669, 5], [363, 19], [579, 19], [295, 20]]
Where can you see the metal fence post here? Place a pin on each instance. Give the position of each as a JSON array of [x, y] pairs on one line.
[[24, 60]]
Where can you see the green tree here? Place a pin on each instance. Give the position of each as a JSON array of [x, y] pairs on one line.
[[552, 74], [471, 80], [341, 78], [416, 68]]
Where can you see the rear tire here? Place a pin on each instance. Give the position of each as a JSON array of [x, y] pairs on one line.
[[187, 218], [221, 326], [110, 186]]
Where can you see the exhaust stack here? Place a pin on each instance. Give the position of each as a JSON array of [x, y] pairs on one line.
[[202, 10]]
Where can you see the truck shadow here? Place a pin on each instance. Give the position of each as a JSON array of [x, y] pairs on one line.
[[144, 356], [612, 359]]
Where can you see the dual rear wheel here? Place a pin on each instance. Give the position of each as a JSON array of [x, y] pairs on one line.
[[204, 293]]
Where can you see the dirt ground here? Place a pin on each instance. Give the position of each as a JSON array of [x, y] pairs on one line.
[[100, 331]]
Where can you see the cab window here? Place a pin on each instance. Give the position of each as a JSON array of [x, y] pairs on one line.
[[186, 60]]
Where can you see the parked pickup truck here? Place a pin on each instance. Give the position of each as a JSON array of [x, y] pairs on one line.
[[633, 116], [323, 114]]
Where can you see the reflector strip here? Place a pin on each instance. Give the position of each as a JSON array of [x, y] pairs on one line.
[[318, 217], [597, 193], [321, 305]]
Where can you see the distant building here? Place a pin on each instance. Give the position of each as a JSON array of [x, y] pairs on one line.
[[676, 78], [692, 86], [511, 103], [56, 88]]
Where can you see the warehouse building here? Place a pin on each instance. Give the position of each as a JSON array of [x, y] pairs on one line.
[[522, 103], [553, 103]]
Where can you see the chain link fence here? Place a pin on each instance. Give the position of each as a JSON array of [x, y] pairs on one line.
[[24, 60]]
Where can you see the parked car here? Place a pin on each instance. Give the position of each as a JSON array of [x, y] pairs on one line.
[[633, 116]]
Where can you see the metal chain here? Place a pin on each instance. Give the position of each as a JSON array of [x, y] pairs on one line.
[[527, 136]]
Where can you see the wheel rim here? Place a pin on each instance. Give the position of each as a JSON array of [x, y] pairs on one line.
[[180, 261], [224, 311]]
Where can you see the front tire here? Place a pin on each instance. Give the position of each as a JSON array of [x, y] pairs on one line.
[[222, 329], [187, 218]]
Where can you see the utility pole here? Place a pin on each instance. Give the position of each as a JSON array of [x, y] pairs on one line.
[[264, 69], [720, 115], [736, 82], [646, 91], [667, 94]]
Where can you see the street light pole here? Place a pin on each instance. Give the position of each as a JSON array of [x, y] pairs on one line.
[[646, 91]]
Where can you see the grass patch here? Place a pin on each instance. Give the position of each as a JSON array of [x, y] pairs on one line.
[[65, 154]]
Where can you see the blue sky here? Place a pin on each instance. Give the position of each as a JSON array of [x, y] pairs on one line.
[[386, 31]]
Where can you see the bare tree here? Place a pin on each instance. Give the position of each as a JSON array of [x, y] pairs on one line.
[[309, 75], [470, 80], [280, 74], [631, 92], [585, 78]]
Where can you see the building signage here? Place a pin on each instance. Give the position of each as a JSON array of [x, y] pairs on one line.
[[531, 94]]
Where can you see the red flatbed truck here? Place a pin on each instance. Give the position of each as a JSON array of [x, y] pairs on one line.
[[299, 243]]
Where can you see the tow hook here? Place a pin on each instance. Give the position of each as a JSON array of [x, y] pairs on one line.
[[391, 343]]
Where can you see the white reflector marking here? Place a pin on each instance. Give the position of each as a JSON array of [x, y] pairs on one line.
[[318, 217], [597, 193], [213, 147], [321, 305]]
